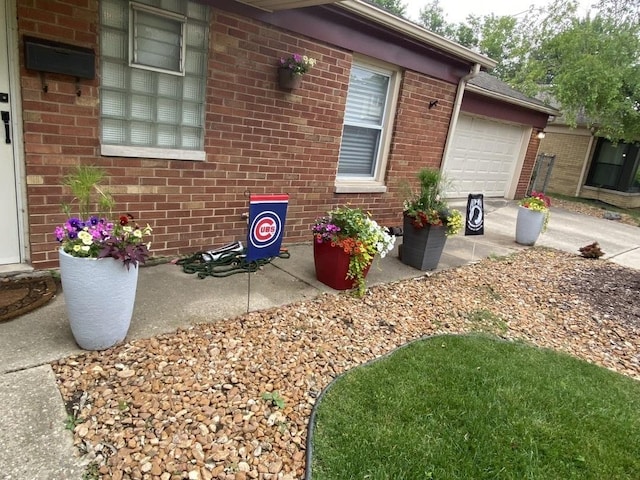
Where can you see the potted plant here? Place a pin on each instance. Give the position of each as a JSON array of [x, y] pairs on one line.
[[427, 222], [533, 218], [99, 260], [345, 243], [292, 68]]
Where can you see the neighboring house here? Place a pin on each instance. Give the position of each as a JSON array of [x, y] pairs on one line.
[[178, 101], [588, 166]]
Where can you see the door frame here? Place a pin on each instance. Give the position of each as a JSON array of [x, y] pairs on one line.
[[15, 102]]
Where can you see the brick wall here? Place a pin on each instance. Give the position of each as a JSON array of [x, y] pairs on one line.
[[612, 197], [527, 166], [570, 148], [258, 137]]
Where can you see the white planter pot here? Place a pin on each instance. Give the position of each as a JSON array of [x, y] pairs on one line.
[[99, 295], [528, 226]]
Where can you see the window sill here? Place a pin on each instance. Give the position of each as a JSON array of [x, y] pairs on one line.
[[354, 186], [149, 152]]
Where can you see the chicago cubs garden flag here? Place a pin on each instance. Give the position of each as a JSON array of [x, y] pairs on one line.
[[267, 214]]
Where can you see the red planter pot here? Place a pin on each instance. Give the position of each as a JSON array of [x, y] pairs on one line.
[[332, 266]]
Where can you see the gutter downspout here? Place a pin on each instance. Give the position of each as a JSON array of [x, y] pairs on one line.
[[456, 112]]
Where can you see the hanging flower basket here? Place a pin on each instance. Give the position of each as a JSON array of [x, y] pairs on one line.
[[289, 80], [292, 68]]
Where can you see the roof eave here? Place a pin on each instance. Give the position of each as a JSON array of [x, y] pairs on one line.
[[512, 100], [417, 32]]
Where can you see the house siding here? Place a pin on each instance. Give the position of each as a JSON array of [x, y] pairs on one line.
[[258, 138], [527, 166], [570, 147]]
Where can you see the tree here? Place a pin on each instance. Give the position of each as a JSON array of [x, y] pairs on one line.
[[393, 6], [433, 18], [589, 65]]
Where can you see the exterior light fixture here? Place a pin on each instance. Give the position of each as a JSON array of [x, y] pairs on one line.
[[541, 134]]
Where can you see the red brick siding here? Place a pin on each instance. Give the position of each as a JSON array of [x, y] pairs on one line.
[[527, 167], [258, 137]]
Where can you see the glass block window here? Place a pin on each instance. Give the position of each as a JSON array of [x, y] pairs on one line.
[[364, 122], [153, 58], [156, 39]]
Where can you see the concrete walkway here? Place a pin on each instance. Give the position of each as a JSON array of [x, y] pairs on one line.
[[35, 444]]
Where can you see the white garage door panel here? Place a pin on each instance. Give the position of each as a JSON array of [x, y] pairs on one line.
[[482, 157]]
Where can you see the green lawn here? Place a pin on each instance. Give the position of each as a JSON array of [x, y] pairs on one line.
[[473, 407]]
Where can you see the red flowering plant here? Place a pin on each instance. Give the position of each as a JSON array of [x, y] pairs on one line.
[[538, 202], [95, 236]]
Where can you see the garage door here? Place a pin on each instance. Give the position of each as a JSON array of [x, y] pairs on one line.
[[483, 157]]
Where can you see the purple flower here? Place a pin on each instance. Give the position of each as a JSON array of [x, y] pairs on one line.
[[75, 223]]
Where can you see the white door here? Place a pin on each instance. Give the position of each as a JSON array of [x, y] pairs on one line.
[[484, 157], [10, 238]]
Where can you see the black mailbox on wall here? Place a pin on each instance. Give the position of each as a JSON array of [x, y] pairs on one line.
[[55, 57]]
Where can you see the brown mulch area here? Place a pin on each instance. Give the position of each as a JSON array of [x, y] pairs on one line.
[[592, 210], [190, 405]]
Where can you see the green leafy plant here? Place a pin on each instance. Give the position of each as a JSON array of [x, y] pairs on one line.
[[275, 398], [92, 472], [358, 235], [428, 207], [72, 421], [96, 235], [86, 186]]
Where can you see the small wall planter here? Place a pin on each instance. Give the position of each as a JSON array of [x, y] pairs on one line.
[[288, 80], [529, 224], [99, 295], [332, 265], [422, 247]]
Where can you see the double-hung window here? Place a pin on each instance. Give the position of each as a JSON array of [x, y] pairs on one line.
[[153, 58], [366, 132]]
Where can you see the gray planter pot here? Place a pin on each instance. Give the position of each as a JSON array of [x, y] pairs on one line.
[[529, 225], [422, 247], [99, 295]]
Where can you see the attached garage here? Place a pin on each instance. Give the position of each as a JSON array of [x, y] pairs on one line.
[[492, 147], [484, 156]]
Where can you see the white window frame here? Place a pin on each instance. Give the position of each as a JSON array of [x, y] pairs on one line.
[[375, 183], [134, 7]]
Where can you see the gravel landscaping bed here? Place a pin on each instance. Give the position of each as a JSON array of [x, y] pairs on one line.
[[592, 210], [192, 404]]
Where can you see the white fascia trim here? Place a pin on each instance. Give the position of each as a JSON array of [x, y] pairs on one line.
[[149, 152], [415, 31], [514, 101]]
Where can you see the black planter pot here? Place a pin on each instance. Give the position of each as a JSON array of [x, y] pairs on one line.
[[422, 247], [288, 80]]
